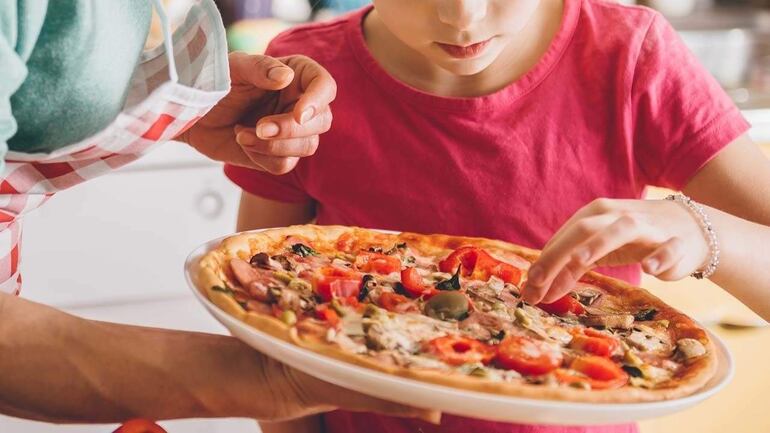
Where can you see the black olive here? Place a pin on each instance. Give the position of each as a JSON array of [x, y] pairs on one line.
[[303, 250], [632, 371], [396, 248], [452, 283], [261, 260], [645, 315], [400, 289], [366, 283]]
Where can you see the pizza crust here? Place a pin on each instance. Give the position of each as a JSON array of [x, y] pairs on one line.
[[211, 272]]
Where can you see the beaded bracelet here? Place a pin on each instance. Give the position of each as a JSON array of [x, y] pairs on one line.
[[708, 230]]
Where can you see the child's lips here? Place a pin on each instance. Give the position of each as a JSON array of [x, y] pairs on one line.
[[464, 52]]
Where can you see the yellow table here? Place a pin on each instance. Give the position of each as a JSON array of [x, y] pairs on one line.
[[743, 406]]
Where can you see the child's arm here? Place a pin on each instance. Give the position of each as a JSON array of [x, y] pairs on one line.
[[665, 237], [256, 213]]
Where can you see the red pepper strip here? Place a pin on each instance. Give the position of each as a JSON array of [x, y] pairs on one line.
[[415, 286], [390, 300], [564, 306], [337, 283], [326, 314], [594, 342], [480, 265], [378, 263], [601, 373]]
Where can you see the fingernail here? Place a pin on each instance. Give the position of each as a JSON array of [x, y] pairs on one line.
[[307, 115], [268, 130], [652, 265], [243, 138], [535, 275], [279, 74]]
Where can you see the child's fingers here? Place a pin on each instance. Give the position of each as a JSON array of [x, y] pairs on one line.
[[285, 125], [558, 254], [664, 261]]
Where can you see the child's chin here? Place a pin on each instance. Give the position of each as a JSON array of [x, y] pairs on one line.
[[467, 67]]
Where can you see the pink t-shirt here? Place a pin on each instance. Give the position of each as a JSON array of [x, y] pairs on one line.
[[616, 103]]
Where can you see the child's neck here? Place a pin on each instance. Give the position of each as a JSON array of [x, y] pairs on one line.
[[522, 54]]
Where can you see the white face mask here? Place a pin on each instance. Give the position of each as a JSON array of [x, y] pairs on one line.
[[173, 86]]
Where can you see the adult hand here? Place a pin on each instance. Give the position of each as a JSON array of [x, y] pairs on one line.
[[272, 117], [662, 235], [295, 394]]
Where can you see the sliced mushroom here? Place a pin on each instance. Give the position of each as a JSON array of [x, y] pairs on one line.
[[691, 348], [644, 342], [610, 321]]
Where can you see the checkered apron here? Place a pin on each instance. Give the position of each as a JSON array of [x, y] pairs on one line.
[[173, 86]]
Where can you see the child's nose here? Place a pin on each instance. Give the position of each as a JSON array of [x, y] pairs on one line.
[[462, 14]]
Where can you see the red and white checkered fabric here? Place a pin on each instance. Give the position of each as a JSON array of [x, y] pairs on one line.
[[156, 111]]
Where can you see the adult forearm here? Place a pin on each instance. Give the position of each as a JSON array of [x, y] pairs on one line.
[[744, 269], [57, 367]]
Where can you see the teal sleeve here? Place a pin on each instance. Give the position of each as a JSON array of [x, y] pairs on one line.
[[12, 73]]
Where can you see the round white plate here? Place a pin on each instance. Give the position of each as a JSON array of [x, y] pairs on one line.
[[451, 400]]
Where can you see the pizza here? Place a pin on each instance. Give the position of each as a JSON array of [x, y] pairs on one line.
[[447, 310]]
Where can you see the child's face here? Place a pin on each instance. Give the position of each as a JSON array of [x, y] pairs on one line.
[[463, 37]]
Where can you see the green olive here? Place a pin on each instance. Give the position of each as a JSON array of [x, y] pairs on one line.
[[289, 317], [447, 306]]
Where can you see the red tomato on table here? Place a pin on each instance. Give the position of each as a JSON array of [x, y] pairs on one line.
[[139, 426]]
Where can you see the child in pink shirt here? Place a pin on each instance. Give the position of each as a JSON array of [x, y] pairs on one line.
[[503, 119]]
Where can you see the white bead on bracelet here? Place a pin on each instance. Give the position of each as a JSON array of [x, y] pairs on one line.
[[708, 230]]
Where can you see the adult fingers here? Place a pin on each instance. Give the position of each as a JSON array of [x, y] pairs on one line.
[[286, 126], [299, 147], [356, 402], [262, 72], [318, 88], [273, 164]]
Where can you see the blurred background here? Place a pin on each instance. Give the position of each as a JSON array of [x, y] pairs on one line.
[[148, 216]]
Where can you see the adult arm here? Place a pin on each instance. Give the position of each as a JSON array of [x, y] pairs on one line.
[[61, 368]]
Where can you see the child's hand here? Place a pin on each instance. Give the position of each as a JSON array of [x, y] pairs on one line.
[[272, 116], [662, 235]]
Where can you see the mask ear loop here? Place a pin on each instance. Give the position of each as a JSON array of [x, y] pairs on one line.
[[168, 42]]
